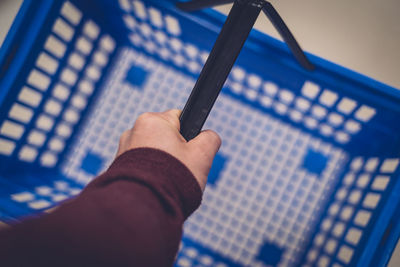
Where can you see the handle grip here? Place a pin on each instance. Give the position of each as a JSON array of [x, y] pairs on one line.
[[219, 63]]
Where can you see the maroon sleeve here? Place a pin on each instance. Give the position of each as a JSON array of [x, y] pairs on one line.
[[132, 215]]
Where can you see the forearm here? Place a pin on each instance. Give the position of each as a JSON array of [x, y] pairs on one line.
[[132, 215]]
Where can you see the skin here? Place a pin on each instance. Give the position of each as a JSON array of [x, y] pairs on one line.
[[161, 131]]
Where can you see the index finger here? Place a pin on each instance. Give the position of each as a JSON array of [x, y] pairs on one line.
[[172, 116]]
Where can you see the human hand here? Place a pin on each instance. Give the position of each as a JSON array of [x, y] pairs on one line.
[[161, 131]]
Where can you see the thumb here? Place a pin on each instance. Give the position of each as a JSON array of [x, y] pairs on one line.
[[208, 142]]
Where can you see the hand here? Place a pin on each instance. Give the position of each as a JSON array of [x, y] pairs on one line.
[[161, 131]]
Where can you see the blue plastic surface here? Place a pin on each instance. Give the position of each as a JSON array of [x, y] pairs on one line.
[[308, 173]]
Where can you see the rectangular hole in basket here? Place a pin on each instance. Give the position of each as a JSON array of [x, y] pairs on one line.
[[365, 113], [48, 159], [353, 236], [100, 58], [38, 80], [371, 164], [39, 204], [346, 105], [7, 147], [55, 46], [84, 46], [61, 92], [380, 182], [20, 113], [53, 107], [86, 87], [45, 122], [71, 12], [28, 153], [47, 63], [173, 26], [79, 101], [56, 144], [71, 116], [93, 72], [310, 90], [91, 29], [64, 130], [62, 29], [155, 17], [125, 5], [139, 9], [76, 61], [345, 254], [23, 197], [36, 138], [390, 165], [328, 98], [331, 246], [30, 97], [107, 43], [362, 218], [69, 76], [12, 130], [371, 200]]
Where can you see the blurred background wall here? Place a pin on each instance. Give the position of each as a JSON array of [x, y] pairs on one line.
[[362, 35]]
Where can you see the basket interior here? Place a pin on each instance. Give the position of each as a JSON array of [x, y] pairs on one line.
[[309, 161]]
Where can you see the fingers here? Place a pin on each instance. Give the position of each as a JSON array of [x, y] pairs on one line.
[[175, 113], [172, 116], [160, 130], [122, 142], [208, 141], [203, 149]]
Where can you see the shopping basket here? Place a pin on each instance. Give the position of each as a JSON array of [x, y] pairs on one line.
[[308, 173]]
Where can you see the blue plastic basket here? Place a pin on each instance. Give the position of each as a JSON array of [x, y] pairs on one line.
[[308, 173]]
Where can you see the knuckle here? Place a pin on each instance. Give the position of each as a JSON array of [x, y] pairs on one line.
[[125, 133], [144, 116], [200, 153], [214, 138], [174, 112]]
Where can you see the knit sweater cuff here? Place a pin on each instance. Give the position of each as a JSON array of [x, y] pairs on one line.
[[161, 171]]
